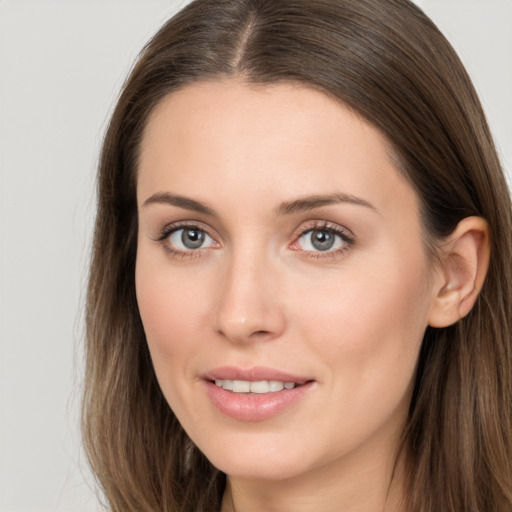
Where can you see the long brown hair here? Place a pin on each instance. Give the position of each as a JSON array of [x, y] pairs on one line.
[[387, 61]]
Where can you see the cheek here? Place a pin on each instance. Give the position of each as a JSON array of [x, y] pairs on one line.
[[369, 325], [172, 311], [172, 314], [160, 301]]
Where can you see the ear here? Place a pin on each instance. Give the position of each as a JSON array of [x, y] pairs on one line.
[[464, 264]]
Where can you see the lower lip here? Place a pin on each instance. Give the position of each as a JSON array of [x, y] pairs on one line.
[[254, 406]]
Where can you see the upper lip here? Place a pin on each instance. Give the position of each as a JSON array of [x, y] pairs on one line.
[[252, 374]]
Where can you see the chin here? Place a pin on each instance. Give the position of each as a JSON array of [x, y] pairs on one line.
[[271, 459], [270, 470]]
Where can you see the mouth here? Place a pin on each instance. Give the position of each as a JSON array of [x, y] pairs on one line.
[[255, 386], [255, 394], [258, 380]]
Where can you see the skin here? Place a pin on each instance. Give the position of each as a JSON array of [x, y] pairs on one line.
[[257, 293]]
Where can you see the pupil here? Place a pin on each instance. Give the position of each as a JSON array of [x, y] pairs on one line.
[[192, 238], [322, 240]]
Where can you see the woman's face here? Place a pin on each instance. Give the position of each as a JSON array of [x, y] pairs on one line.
[[281, 277]]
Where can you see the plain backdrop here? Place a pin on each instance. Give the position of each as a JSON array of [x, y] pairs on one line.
[[62, 63]]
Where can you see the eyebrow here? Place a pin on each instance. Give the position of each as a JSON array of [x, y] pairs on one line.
[[302, 204], [316, 201], [179, 201]]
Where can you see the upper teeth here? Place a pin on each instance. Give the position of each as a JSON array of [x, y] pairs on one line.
[[260, 386]]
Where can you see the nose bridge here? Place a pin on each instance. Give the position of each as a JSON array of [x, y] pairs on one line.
[[248, 304]]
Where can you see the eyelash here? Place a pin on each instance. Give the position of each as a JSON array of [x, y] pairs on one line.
[[345, 235], [347, 239], [163, 239]]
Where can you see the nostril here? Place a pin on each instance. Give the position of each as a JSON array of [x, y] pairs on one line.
[[260, 334]]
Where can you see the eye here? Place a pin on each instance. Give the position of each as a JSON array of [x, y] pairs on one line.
[[320, 240], [323, 239], [189, 238]]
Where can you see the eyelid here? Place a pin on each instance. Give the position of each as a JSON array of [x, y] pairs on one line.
[[324, 225], [163, 232]]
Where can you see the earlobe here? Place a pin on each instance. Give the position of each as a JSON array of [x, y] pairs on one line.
[[462, 271]]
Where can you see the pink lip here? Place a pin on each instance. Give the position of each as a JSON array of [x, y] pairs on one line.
[[253, 407], [254, 374]]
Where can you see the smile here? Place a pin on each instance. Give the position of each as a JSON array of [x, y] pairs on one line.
[[259, 386], [255, 394]]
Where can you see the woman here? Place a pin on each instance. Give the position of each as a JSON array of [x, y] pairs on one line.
[[300, 293]]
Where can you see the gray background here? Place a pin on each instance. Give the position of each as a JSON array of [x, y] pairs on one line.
[[61, 66]]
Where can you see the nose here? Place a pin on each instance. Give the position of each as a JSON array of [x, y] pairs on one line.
[[250, 302]]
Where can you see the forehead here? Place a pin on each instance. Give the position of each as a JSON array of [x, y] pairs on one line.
[[265, 139], [278, 111]]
